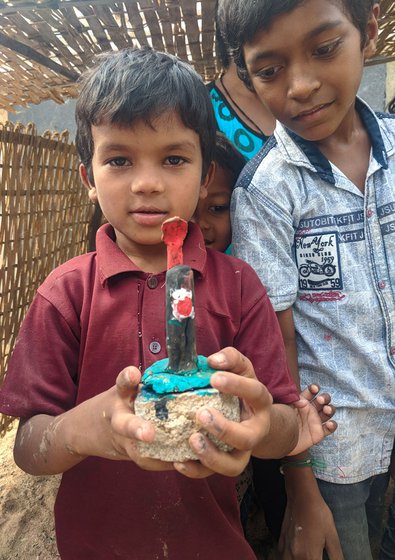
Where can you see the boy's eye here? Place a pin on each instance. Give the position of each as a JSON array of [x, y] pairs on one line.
[[118, 162], [268, 73], [328, 49], [175, 160], [219, 208]]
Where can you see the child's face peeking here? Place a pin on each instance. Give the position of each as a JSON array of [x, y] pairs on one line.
[[307, 67], [213, 212], [143, 175]]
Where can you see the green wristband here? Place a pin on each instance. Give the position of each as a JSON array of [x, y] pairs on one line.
[[300, 464]]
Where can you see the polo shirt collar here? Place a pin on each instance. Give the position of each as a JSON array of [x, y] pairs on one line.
[[316, 160], [113, 261]]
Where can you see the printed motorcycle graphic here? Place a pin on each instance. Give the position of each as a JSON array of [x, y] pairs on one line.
[[325, 268]]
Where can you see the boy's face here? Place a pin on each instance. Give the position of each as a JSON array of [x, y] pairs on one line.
[[144, 175], [307, 67], [213, 214]]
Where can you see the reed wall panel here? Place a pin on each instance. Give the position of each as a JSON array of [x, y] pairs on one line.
[[45, 217]]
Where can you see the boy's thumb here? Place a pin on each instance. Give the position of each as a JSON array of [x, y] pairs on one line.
[[127, 382]]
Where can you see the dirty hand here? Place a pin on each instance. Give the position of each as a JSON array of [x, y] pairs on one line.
[[236, 377]]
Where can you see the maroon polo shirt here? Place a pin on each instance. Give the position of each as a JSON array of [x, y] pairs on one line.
[[97, 314]]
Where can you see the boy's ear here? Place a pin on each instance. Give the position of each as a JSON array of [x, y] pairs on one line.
[[207, 180], [372, 31], [85, 179]]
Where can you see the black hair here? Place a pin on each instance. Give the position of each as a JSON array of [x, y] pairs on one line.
[[134, 84], [391, 106], [221, 48], [228, 157], [238, 21]]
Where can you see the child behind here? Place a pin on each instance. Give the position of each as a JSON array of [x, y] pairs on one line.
[[145, 135], [213, 212], [314, 216]]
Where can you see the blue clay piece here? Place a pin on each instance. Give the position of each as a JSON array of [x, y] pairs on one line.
[[159, 380], [148, 394]]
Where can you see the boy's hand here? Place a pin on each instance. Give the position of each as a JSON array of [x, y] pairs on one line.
[[308, 527], [103, 426], [314, 415], [125, 427], [237, 377]]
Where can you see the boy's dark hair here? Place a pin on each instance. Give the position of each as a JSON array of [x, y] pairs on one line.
[[143, 84], [238, 21], [228, 157]]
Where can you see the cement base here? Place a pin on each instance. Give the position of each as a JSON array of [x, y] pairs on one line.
[[174, 420]]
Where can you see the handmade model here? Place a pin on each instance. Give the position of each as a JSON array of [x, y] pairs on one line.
[[176, 387]]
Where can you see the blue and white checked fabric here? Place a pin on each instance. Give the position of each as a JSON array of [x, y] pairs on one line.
[[325, 248]]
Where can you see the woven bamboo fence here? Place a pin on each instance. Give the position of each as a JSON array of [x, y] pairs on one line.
[[44, 220]]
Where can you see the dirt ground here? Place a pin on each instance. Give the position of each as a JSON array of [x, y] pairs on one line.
[[26, 514], [26, 510]]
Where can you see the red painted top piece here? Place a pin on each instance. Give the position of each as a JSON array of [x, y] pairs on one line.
[[174, 231]]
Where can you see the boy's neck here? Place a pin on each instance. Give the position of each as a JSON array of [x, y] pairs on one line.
[[150, 259], [349, 149]]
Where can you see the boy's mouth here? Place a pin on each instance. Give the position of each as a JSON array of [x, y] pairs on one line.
[[311, 113], [148, 215]]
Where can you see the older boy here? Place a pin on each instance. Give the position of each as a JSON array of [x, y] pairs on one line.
[[146, 138], [314, 215]]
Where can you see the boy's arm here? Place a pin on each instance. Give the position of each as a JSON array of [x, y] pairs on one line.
[[103, 426], [308, 527]]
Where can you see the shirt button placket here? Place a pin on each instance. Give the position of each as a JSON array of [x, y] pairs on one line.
[[155, 346], [152, 282]]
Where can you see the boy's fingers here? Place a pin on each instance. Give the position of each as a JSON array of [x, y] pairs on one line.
[[329, 427], [228, 464], [241, 436], [333, 548], [126, 424], [251, 390], [148, 464], [310, 392], [322, 399], [128, 381], [327, 412], [193, 469], [230, 359]]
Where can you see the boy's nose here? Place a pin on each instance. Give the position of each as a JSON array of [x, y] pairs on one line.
[[146, 181], [302, 83], [201, 221]]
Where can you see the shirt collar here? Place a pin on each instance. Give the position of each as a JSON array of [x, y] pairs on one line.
[[317, 160], [113, 261]]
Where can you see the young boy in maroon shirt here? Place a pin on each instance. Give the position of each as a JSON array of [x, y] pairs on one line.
[[146, 136]]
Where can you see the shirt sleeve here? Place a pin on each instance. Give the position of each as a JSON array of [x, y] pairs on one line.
[[263, 215], [42, 373]]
